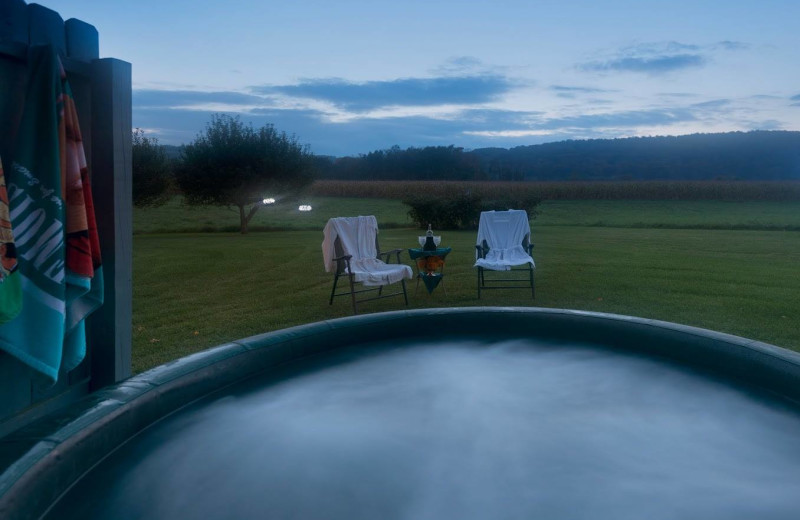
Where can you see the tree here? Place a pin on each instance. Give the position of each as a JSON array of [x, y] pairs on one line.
[[233, 164], [151, 171]]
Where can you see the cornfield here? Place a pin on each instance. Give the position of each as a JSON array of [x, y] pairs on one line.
[[618, 190]]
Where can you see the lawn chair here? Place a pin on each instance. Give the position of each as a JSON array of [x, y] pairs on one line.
[[350, 248], [504, 244]]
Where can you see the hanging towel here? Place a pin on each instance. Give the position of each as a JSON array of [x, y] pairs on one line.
[[504, 232], [10, 289], [84, 276], [35, 193], [357, 237]]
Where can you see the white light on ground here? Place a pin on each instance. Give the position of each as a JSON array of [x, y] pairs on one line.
[[269, 200], [305, 207]]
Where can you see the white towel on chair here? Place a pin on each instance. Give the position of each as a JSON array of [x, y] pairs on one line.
[[357, 237], [504, 232]]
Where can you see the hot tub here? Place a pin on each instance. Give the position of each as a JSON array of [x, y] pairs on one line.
[[439, 413]]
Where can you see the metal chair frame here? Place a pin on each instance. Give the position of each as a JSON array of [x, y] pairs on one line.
[[483, 282], [343, 269]]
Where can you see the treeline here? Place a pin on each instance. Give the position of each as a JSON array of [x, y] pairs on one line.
[[429, 163], [773, 191], [758, 155]]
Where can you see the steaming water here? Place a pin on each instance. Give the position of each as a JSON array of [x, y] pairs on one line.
[[465, 430]]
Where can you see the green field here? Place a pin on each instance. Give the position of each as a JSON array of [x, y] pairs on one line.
[[391, 213], [196, 290], [706, 214]]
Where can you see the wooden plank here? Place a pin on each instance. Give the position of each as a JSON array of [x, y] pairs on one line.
[[83, 43], [110, 326], [15, 382], [74, 392], [46, 27], [13, 82], [13, 21]]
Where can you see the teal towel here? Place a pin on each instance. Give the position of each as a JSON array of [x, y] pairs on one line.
[[36, 335]]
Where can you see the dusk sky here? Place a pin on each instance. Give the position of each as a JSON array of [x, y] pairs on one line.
[[347, 77]]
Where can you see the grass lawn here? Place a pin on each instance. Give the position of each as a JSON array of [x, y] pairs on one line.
[[682, 214], [177, 217], [391, 213], [194, 291]]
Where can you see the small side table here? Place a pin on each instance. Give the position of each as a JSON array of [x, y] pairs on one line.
[[430, 266]]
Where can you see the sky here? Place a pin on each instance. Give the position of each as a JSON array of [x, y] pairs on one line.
[[349, 76]]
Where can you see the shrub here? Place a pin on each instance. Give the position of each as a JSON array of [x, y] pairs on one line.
[[455, 212], [462, 211]]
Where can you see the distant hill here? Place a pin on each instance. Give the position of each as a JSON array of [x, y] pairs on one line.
[[758, 155]]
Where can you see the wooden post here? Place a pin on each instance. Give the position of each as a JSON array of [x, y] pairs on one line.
[[13, 21], [83, 42], [110, 325], [46, 27]]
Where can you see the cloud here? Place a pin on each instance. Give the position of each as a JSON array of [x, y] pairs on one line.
[[716, 103], [566, 92], [650, 58], [579, 90], [768, 124], [178, 116], [676, 94], [731, 45], [467, 127], [654, 65], [185, 98], [631, 118], [360, 97], [459, 66], [795, 98], [660, 57], [654, 48]]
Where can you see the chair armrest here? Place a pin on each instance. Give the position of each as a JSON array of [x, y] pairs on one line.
[[346, 260], [481, 251], [530, 248], [393, 251]]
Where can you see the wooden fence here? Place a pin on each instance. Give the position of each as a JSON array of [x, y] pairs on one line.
[[102, 93]]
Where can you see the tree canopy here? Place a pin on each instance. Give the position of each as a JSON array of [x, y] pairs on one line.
[[151, 171], [234, 164], [758, 155]]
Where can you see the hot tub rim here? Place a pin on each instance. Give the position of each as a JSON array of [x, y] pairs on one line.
[[95, 426]]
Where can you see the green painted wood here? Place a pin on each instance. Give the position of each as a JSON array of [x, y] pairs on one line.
[[13, 21], [15, 388], [110, 325], [46, 27], [83, 42], [22, 398]]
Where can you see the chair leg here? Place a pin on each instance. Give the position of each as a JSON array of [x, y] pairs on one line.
[[480, 275], [533, 284], [353, 293], [333, 291], [405, 295]]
